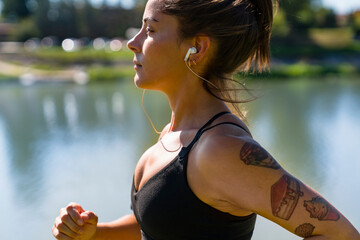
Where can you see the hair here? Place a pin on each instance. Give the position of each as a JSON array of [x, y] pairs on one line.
[[241, 31]]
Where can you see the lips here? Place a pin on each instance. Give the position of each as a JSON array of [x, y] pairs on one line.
[[137, 64]]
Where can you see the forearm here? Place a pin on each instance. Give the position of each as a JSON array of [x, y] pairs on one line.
[[123, 228]]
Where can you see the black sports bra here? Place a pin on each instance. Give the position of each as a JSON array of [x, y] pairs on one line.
[[167, 209]]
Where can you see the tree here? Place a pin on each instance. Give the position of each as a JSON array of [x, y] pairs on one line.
[[298, 13], [15, 9]]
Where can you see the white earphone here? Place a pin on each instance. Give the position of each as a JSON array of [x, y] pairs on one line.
[[190, 51]]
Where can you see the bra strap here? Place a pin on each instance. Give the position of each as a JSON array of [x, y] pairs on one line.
[[186, 149], [229, 123]]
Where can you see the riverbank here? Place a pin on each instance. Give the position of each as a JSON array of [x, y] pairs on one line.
[[89, 65]]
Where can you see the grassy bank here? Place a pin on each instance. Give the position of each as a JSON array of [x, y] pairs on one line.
[[290, 62], [57, 56], [302, 69]]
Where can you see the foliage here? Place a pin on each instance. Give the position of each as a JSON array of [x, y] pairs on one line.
[[76, 19], [69, 19], [15, 9], [303, 69], [25, 30], [332, 37], [281, 27], [83, 56], [313, 51], [110, 73], [4, 78], [325, 18]]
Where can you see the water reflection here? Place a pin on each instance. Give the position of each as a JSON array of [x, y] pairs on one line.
[[36, 114], [300, 118], [62, 143], [49, 109], [71, 111]]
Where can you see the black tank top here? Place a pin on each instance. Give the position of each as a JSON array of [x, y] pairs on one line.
[[167, 209]]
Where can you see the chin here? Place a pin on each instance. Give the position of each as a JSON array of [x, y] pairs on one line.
[[143, 83]]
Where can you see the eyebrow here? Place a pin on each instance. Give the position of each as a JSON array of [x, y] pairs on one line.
[[150, 19]]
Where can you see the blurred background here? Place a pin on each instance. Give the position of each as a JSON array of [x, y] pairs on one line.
[[72, 127]]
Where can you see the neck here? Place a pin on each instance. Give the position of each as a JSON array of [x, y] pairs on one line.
[[192, 106]]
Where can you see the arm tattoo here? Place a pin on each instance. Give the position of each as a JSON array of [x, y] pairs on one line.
[[319, 208], [285, 195], [254, 154], [304, 230]]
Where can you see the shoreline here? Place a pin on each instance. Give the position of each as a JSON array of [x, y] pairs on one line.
[[87, 66]]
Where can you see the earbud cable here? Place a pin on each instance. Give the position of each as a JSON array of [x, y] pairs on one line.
[[143, 95], [200, 76], [147, 115]]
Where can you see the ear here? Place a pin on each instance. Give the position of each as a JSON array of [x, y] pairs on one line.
[[202, 44]]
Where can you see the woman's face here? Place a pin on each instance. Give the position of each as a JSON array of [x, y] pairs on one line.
[[159, 56]]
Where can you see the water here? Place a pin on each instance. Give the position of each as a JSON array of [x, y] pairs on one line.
[[63, 143]]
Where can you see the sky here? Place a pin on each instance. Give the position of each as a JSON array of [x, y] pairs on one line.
[[342, 7]]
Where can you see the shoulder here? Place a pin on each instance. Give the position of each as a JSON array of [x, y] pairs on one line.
[[238, 151], [236, 168], [229, 140]]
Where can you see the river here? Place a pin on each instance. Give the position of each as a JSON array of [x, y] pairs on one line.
[[61, 143]]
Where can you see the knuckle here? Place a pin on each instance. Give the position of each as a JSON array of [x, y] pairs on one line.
[[60, 226], [57, 221], [69, 207], [73, 204], [63, 217], [76, 228], [55, 233], [62, 210]]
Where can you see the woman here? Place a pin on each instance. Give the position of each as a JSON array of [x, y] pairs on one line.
[[206, 178]]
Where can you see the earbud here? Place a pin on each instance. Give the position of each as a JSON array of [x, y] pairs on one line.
[[191, 51]]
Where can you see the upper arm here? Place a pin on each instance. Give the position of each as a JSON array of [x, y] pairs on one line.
[[246, 176]]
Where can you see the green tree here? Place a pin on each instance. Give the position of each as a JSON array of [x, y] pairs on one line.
[[298, 13], [15, 9], [325, 18]]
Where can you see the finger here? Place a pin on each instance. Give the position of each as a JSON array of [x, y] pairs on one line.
[[89, 217], [77, 207], [74, 211], [58, 235], [63, 228], [68, 221]]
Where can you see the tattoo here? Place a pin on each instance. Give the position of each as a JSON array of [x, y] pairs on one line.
[[254, 154], [304, 230], [319, 208], [285, 195]]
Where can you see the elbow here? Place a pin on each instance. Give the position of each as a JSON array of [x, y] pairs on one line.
[[351, 234], [354, 235]]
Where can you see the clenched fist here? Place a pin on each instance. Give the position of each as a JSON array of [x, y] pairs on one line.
[[74, 222]]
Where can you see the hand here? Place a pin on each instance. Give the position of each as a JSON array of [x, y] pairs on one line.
[[75, 223]]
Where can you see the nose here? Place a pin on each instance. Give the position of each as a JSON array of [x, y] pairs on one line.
[[134, 44]]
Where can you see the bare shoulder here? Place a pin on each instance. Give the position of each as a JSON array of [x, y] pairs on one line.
[[232, 144], [232, 165]]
